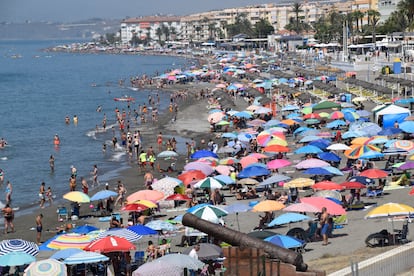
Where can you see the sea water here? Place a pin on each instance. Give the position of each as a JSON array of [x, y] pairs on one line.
[[39, 89]]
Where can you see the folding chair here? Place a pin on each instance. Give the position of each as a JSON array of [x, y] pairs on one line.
[[62, 213]]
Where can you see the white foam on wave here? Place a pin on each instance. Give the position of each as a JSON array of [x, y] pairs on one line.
[[117, 156], [4, 158]]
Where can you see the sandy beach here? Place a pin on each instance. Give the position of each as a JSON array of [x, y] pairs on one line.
[[347, 244]]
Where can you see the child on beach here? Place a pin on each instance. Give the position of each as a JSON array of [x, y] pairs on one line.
[[49, 196]]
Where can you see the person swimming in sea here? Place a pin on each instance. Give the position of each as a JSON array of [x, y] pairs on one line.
[[67, 120]]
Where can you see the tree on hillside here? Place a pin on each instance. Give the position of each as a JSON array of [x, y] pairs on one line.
[[263, 28]]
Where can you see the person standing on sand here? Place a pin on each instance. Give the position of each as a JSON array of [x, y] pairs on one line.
[[85, 187], [8, 218], [52, 163], [42, 195], [39, 228], [324, 223], [49, 195], [121, 194], [159, 142], [95, 175], [9, 191], [72, 183]]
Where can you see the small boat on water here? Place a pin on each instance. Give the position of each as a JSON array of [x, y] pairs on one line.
[[124, 99]]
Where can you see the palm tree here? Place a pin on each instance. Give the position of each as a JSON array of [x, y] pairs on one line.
[[158, 32], [198, 30], [212, 31], [297, 9], [358, 16], [373, 18]]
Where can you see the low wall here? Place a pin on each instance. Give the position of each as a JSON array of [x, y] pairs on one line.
[[397, 260]]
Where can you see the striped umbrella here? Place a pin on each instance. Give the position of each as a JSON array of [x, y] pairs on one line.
[[7, 246], [121, 232], [403, 144], [210, 213], [70, 240], [210, 183], [85, 257], [160, 225], [357, 151], [16, 258], [46, 267], [336, 115]]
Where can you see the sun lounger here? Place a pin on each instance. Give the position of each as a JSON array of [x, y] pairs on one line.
[[374, 193]]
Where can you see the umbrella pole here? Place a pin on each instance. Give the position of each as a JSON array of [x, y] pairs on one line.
[[237, 218]]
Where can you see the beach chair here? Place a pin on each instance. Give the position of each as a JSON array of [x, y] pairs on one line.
[[374, 193], [62, 213], [401, 235], [139, 258]]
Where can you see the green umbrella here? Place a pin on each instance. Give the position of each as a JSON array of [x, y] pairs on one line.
[[326, 105]]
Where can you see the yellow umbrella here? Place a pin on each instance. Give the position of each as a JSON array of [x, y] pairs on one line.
[[277, 141], [360, 140], [299, 183], [324, 114], [147, 203], [390, 210], [248, 181], [268, 206], [77, 196]]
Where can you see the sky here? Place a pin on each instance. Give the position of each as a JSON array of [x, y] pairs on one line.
[[75, 10]]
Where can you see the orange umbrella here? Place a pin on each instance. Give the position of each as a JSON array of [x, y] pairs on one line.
[[374, 173], [327, 185], [276, 148], [247, 160], [151, 195], [289, 122], [268, 206], [190, 176]]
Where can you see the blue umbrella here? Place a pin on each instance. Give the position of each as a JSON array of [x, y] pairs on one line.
[[363, 113], [243, 114], [333, 170], [310, 132], [288, 218], [335, 124], [121, 232], [142, 230], [192, 209], [245, 137], [253, 171], [353, 134], [308, 149], [337, 201], [257, 165], [321, 143], [407, 126], [362, 179], [230, 135], [302, 129], [84, 229], [293, 115], [371, 154], [276, 178], [309, 138], [225, 179], [317, 171], [203, 153], [103, 195], [237, 208], [64, 253], [16, 259], [285, 241], [329, 156], [290, 107], [271, 123]]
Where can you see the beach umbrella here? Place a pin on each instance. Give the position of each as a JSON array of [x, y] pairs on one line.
[[84, 229], [16, 259], [142, 230], [351, 116], [103, 195], [225, 179], [285, 241], [199, 166], [229, 161], [407, 126], [290, 108], [308, 149], [237, 208], [271, 123], [311, 163], [247, 181], [301, 207], [70, 240], [390, 131], [209, 183], [181, 260], [352, 185], [327, 185], [335, 124], [276, 178], [320, 202], [191, 176], [362, 179], [167, 154], [357, 151], [76, 196], [268, 206], [317, 171], [302, 129], [210, 213], [363, 113], [85, 257], [390, 210], [326, 105], [243, 114], [230, 135], [46, 267], [120, 232], [158, 268], [134, 207], [353, 134], [258, 155], [289, 122], [160, 225], [312, 116], [278, 163], [247, 160], [374, 173], [110, 244], [371, 154], [65, 253], [215, 117], [338, 146], [320, 143], [253, 171], [178, 197], [151, 195], [287, 218], [402, 144], [208, 251], [336, 115], [299, 183], [14, 245], [329, 156], [276, 148], [329, 193], [166, 185], [309, 139], [256, 122], [203, 153], [407, 166]]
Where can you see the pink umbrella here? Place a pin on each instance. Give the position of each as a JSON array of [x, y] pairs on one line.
[[278, 163], [215, 117], [247, 160], [256, 122], [311, 163], [151, 195], [320, 202], [223, 169], [258, 155], [199, 166], [301, 207]]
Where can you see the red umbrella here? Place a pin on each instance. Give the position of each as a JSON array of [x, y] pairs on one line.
[[320, 202], [312, 116], [327, 185], [190, 176], [110, 244], [374, 173], [352, 185], [411, 192], [177, 197], [134, 207], [276, 148], [151, 195]]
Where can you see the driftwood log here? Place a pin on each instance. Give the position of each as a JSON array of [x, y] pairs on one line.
[[237, 238]]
